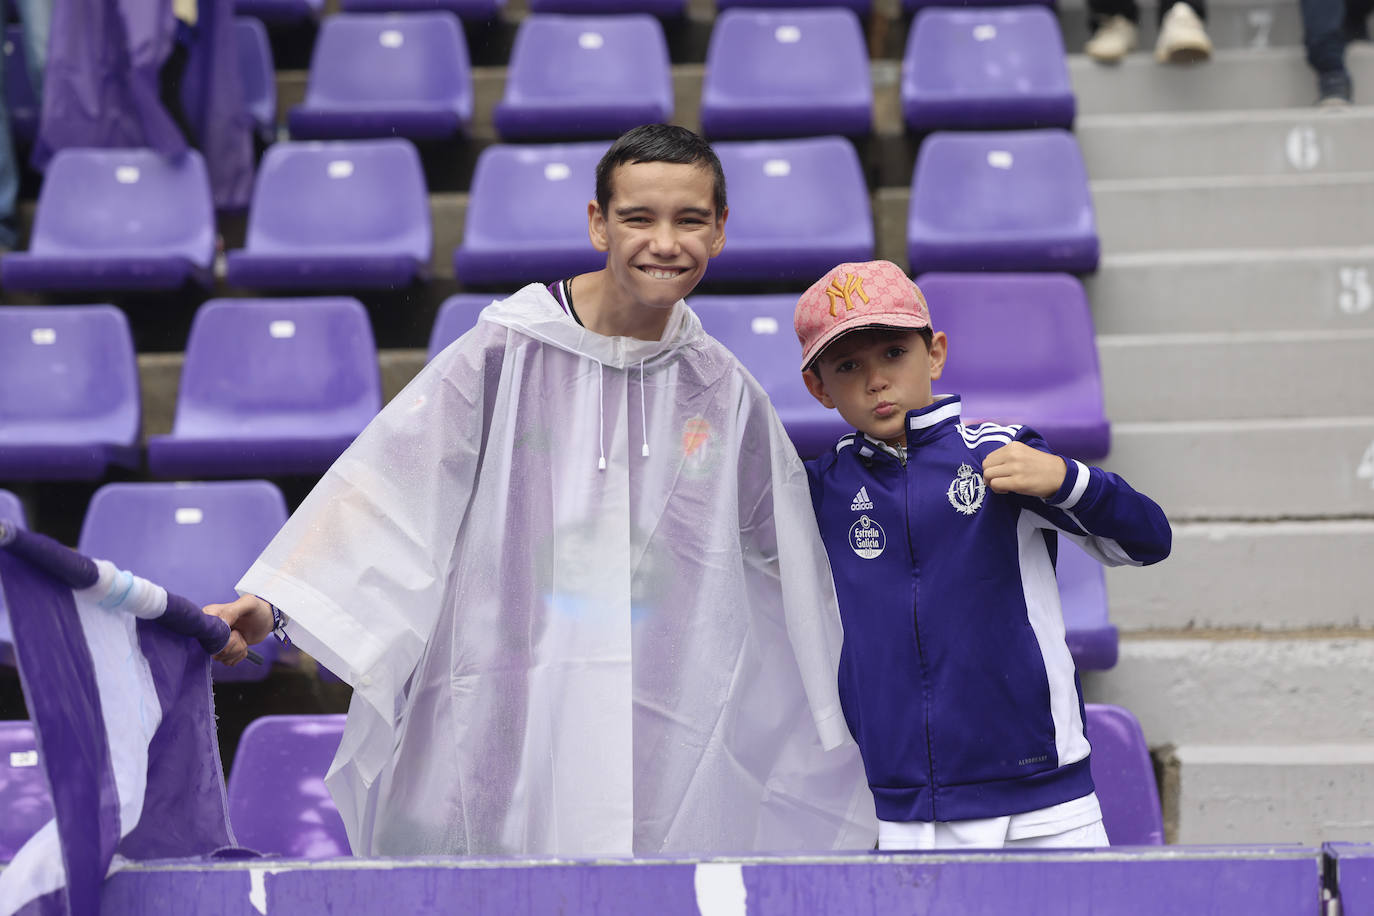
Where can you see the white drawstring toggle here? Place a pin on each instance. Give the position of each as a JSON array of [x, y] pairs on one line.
[[643, 411], [601, 413]]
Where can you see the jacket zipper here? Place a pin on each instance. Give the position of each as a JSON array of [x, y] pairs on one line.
[[916, 625]]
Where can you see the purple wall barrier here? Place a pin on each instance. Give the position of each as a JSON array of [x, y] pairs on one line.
[[1355, 877], [1256, 880]]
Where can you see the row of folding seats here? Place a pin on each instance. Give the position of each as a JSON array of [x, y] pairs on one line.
[[279, 804], [355, 214], [784, 73], [280, 387], [477, 11]]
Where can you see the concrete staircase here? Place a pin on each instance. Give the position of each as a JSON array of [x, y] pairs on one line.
[[1235, 313]]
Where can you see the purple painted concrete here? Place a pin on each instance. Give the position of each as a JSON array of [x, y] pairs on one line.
[[986, 69], [527, 215], [786, 73], [758, 330], [475, 11], [24, 795], [1083, 596], [270, 387], [193, 539], [797, 208], [336, 214], [258, 74], [118, 219], [1022, 349], [456, 316], [1258, 881], [69, 395], [387, 75], [1124, 777], [583, 77], [278, 802], [1011, 200], [1355, 876]]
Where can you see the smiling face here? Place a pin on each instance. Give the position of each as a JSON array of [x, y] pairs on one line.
[[659, 229], [874, 376]]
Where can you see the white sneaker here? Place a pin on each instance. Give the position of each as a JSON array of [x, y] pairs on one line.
[[1182, 37], [1113, 40]]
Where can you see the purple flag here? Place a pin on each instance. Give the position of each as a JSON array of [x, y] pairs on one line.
[[117, 678]]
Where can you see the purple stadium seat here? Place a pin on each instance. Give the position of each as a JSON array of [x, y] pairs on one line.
[[969, 68], [1014, 200], [125, 219], [280, 12], [527, 214], [194, 539], [340, 214], [474, 11], [1124, 777], [23, 105], [797, 208], [1083, 595], [861, 7], [278, 802], [786, 73], [1022, 349], [24, 796], [666, 9], [258, 74], [387, 75], [758, 330], [270, 387], [576, 77], [456, 317], [11, 510], [69, 396]]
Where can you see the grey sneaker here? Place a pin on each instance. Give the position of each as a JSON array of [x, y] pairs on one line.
[[1334, 89], [1182, 37], [1113, 40]]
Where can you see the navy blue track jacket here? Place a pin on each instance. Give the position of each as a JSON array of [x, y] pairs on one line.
[[955, 678]]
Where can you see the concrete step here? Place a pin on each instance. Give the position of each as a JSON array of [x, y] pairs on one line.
[[1225, 143], [1232, 79], [1220, 291], [1251, 469], [1282, 211], [1231, 376], [1251, 575], [1243, 793], [1230, 25], [1273, 690]]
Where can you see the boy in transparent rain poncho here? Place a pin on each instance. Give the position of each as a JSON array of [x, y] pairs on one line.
[[573, 575]]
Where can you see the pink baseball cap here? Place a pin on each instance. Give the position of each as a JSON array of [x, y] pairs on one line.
[[871, 294]]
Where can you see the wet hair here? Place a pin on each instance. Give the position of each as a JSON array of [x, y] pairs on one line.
[[659, 143], [926, 334]]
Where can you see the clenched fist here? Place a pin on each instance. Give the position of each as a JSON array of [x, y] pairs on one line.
[[250, 619], [1018, 468]]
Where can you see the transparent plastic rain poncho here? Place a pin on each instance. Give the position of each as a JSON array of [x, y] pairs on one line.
[[552, 658]]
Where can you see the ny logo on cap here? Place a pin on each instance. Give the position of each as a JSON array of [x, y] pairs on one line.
[[853, 284]]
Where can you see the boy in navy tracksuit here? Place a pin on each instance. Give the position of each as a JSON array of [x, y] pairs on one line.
[[955, 678]]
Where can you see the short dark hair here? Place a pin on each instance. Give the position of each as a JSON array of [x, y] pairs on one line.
[[659, 143]]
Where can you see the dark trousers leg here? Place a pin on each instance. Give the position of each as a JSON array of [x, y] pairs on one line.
[[1199, 7], [1323, 34]]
